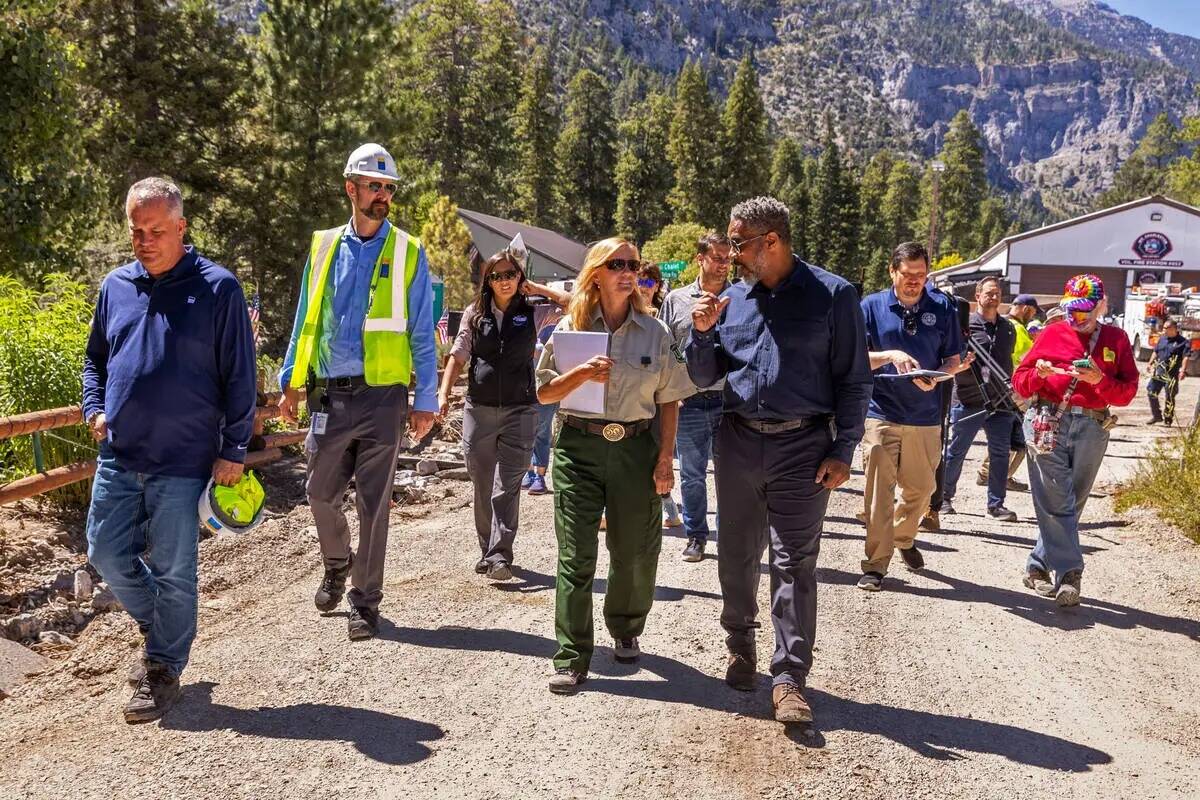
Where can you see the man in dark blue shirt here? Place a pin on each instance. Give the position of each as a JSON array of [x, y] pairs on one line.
[[789, 340], [908, 328], [1166, 372], [169, 393]]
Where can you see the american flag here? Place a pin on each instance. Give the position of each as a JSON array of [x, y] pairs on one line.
[[443, 327], [255, 309]]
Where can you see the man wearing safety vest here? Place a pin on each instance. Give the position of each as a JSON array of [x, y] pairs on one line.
[[364, 326]]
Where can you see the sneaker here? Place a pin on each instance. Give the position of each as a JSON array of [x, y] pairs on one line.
[[861, 516], [694, 551], [789, 703], [499, 572], [1015, 485], [156, 692], [740, 672], [363, 623], [947, 508], [871, 581], [626, 651], [913, 558], [1039, 581], [1001, 513], [1154, 421], [527, 481], [673, 522], [566, 681], [930, 522], [1068, 590], [481, 567], [538, 485], [332, 587]]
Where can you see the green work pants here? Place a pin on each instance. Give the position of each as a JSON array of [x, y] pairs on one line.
[[593, 476]]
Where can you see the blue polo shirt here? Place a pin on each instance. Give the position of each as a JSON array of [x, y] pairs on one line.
[[934, 338]]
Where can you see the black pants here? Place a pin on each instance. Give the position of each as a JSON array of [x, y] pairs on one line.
[[767, 494], [1171, 387], [935, 500]]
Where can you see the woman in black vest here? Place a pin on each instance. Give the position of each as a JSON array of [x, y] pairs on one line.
[[497, 339]]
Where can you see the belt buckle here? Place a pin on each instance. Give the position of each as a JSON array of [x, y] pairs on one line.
[[613, 432], [341, 383]]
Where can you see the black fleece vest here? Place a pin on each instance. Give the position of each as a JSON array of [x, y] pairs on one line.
[[502, 358]]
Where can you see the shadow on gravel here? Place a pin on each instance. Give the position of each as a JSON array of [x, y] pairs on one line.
[[529, 581], [927, 546], [383, 737], [941, 736], [1025, 604], [1009, 540]]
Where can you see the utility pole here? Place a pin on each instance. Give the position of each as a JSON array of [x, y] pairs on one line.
[[937, 168]]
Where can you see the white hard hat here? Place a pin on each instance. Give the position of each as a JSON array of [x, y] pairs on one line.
[[232, 509], [371, 161]]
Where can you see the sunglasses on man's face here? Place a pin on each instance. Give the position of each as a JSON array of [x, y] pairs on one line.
[[507, 275], [647, 283], [623, 265], [379, 186], [736, 244]]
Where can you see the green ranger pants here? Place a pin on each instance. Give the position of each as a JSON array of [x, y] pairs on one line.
[[593, 476]]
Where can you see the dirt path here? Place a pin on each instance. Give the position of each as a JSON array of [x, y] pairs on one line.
[[954, 683]]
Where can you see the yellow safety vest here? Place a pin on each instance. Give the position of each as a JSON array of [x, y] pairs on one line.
[[387, 358]]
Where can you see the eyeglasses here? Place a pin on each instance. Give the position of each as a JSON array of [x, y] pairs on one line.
[[507, 275], [736, 245], [722, 261], [378, 186], [910, 316], [623, 265], [647, 283]]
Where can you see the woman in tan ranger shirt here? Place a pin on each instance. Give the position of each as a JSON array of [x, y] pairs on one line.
[[611, 460]]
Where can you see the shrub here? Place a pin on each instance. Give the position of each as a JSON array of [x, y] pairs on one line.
[[1168, 482], [42, 340]]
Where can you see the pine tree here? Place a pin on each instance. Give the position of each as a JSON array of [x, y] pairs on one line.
[[901, 204], [692, 149], [447, 241], [644, 176], [1145, 171], [993, 222], [875, 242], [790, 185], [745, 160], [586, 153], [1183, 176], [826, 202], [536, 133], [963, 188]]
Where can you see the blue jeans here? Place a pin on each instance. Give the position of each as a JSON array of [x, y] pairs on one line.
[[998, 427], [698, 420], [541, 440], [1060, 482], [143, 538]]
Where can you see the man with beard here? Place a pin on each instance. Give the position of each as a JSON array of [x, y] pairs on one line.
[[364, 325], [790, 343]]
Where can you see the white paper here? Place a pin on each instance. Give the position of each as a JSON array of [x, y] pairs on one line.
[[932, 374], [572, 348]]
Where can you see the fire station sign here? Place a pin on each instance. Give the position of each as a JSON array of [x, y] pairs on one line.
[[1151, 250]]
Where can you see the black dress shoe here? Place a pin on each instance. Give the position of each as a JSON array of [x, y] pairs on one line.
[[913, 558], [740, 672], [481, 567], [363, 623]]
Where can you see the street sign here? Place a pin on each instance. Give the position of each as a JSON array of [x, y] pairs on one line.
[[671, 269]]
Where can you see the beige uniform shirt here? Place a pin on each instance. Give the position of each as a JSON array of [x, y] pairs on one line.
[[646, 370]]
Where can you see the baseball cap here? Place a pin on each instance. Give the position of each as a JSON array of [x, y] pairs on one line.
[[1026, 300], [371, 161]]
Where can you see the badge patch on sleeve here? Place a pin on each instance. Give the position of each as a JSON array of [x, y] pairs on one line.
[[1110, 355], [675, 351]]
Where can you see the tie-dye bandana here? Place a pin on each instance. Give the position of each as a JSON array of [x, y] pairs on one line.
[[1081, 295]]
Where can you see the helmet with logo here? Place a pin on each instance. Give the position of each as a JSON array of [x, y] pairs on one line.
[[232, 509], [371, 160]]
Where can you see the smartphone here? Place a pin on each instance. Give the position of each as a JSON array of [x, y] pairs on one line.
[[1081, 363]]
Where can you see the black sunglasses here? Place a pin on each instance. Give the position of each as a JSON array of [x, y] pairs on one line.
[[378, 186], [623, 265], [736, 245], [507, 275]]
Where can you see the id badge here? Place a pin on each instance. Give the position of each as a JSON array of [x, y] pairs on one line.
[[319, 420]]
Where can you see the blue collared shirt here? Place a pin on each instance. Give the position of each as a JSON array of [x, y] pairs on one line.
[[344, 308], [797, 351], [935, 337], [170, 362]]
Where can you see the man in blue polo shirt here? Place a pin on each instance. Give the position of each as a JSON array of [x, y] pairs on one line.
[[908, 328], [169, 393]]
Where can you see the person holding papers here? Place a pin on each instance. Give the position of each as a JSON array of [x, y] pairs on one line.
[[908, 329], [611, 366]]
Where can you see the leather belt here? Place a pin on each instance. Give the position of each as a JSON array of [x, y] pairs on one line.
[[611, 431], [781, 426], [1100, 414], [350, 382]]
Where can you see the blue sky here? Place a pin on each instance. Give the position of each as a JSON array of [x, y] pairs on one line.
[[1177, 16]]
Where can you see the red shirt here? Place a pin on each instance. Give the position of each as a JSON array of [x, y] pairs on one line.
[[1060, 345]]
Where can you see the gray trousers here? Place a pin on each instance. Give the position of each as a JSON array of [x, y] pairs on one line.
[[361, 441], [497, 444], [767, 495]]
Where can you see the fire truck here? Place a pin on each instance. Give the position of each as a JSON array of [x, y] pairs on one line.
[[1147, 307]]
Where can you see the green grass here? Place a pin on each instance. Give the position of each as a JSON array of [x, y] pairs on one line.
[[1168, 482]]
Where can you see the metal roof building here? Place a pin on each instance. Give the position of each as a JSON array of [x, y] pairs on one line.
[[552, 256]]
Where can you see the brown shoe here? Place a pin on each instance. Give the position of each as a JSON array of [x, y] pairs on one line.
[[740, 673], [790, 705]]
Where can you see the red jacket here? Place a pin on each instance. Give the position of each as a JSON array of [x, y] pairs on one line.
[[1060, 345]]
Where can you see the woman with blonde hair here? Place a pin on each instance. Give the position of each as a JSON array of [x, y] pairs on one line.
[[611, 460]]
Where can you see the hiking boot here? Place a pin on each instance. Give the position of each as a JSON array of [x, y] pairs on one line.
[[566, 681], [947, 508], [481, 567], [499, 572], [1068, 590], [871, 581], [363, 623], [1002, 514], [930, 522], [626, 651], [137, 670], [538, 485], [694, 551], [527, 481], [913, 558], [1015, 485], [740, 672], [332, 587], [789, 703], [1039, 581], [156, 692]]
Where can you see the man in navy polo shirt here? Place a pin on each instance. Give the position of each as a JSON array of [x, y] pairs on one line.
[[908, 328], [169, 393]]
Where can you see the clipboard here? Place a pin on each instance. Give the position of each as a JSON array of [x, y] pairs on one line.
[[572, 348]]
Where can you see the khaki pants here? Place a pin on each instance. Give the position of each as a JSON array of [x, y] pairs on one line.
[[906, 456]]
